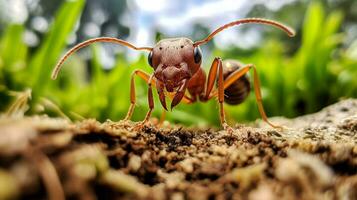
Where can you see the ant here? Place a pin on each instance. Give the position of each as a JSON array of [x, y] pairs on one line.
[[177, 68]]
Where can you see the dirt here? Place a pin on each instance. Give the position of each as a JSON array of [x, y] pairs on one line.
[[314, 157]]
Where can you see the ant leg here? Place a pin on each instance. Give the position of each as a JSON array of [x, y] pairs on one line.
[[217, 64], [211, 77], [221, 98], [146, 77], [258, 96], [150, 101], [238, 74], [142, 75]]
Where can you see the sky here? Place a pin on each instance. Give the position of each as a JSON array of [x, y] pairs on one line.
[[173, 18], [177, 18]]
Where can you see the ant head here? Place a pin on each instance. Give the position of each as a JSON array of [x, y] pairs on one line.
[[175, 59]]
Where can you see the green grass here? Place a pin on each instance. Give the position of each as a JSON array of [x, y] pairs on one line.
[[319, 73]]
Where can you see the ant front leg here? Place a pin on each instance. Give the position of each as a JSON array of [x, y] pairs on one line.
[[149, 80], [146, 78], [150, 102]]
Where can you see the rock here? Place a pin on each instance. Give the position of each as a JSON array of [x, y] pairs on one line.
[[134, 163]]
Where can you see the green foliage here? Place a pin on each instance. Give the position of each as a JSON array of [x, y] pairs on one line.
[[40, 65], [19, 71], [319, 73], [308, 80]]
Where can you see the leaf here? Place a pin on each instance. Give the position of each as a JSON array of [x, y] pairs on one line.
[[13, 53], [48, 54], [12, 49], [313, 23]]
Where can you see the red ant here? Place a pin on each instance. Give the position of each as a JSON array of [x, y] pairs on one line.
[[177, 68]]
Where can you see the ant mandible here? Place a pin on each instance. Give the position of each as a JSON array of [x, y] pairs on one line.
[[177, 68]]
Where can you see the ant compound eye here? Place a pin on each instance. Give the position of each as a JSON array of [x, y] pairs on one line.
[[197, 54], [150, 59]]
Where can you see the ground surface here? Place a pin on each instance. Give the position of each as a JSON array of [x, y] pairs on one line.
[[316, 158]]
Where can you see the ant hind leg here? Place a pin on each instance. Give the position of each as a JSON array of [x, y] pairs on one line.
[[238, 74]]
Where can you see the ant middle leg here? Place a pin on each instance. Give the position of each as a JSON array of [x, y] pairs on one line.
[[212, 76]]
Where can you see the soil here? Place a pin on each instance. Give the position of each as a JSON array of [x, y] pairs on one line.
[[314, 158]]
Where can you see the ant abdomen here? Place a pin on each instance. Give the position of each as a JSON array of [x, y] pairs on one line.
[[239, 90]]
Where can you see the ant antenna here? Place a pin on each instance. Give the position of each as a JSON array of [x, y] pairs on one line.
[[276, 24], [91, 41]]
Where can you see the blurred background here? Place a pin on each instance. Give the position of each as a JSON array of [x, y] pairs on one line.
[[299, 75]]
